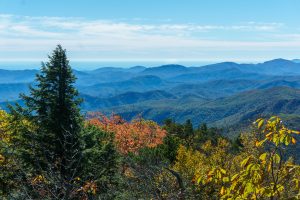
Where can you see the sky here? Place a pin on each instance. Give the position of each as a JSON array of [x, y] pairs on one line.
[[141, 32]]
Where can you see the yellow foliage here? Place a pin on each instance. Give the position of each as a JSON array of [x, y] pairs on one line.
[[10, 129], [260, 175], [275, 132], [190, 163], [5, 135], [38, 180], [2, 159], [194, 164]]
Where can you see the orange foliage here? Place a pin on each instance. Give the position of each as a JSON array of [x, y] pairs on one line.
[[130, 136]]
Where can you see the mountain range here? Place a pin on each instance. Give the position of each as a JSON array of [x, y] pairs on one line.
[[223, 94]]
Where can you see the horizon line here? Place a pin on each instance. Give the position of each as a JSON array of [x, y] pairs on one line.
[[133, 63]]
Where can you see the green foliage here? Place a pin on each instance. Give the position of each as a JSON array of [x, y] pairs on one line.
[[12, 151], [100, 161], [169, 147], [49, 152], [267, 175], [7, 168], [52, 155], [189, 136], [235, 112], [53, 105]]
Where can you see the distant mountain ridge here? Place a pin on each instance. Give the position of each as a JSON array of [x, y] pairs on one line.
[[296, 60], [218, 94], [241, 108], [135, 84], [94, 103], [273, 67], [166, 71], [17, 76]]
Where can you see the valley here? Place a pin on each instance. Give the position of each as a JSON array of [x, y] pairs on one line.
[[222, 95]]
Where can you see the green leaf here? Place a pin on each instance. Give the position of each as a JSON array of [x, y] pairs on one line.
[[234, 177], [245, 161], [276, 158], [223, 171], [263, 156], [249, 188], [225, 179], [260, 123]]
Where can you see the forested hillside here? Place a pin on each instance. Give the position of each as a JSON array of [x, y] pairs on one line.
[[50, 149], [222, 95]]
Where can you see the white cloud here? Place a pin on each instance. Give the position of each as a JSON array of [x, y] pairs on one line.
[[288, 37], [106, 39]]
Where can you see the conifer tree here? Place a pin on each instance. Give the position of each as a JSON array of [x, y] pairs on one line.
[[53, 106], [188, 128], [188, 132]]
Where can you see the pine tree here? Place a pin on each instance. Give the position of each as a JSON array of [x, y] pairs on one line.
[[188, 132], [53, 105], [188, 128]]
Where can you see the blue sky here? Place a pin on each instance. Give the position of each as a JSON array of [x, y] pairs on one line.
[[157, 31]]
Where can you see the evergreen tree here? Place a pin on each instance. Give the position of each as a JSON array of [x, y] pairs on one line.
[[203, 128], [53, 107], [100, 162], [188, 128], [188, 132]]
